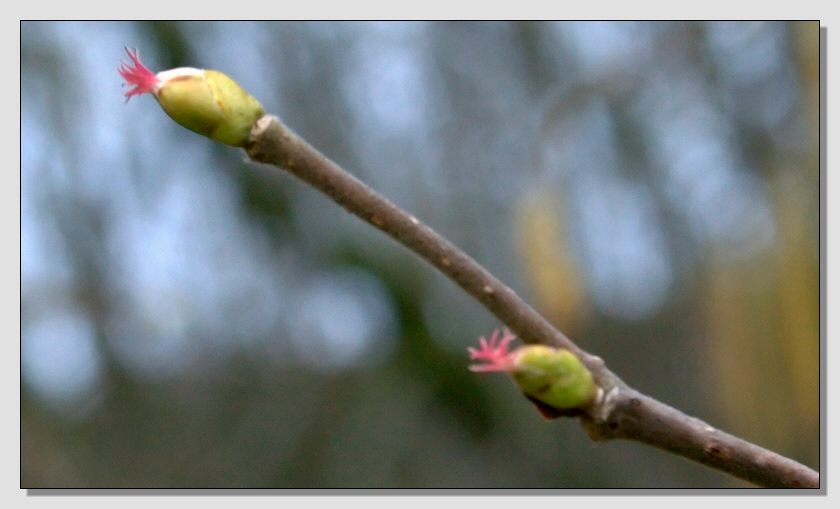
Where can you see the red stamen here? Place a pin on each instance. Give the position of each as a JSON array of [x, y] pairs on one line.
[[138, 75], [494, 352]]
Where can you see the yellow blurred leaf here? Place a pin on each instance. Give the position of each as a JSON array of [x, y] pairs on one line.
[[550, 266]]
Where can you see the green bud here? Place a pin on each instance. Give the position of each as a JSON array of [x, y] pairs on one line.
[[554, 377], [207, 102]]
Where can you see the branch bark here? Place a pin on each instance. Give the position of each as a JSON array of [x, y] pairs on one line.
[[619, 411]]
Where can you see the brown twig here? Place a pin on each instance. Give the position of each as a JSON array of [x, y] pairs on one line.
[[619, 411]]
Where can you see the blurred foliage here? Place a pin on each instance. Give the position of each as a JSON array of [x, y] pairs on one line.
[[193, 320], [554, 275]]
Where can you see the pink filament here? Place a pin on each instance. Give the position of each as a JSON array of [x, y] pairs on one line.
[[138, 75], [494, 352]]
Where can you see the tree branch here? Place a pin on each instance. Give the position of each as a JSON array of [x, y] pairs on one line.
[[619, 411]]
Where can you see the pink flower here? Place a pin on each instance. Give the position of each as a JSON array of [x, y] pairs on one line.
[[138, 76], [495, 352]]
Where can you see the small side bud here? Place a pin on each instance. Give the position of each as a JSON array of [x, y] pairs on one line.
[[553, 377]]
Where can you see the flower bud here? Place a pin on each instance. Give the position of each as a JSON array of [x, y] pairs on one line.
[[207, 102], [552, 376]]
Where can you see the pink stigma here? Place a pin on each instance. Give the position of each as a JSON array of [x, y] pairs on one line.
[[494, 352], [138, 75]]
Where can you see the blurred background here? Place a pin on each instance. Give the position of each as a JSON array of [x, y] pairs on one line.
[[193, 320]]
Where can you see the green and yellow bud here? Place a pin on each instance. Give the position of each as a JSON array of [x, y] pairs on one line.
[[204, 101], [554, 377]]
